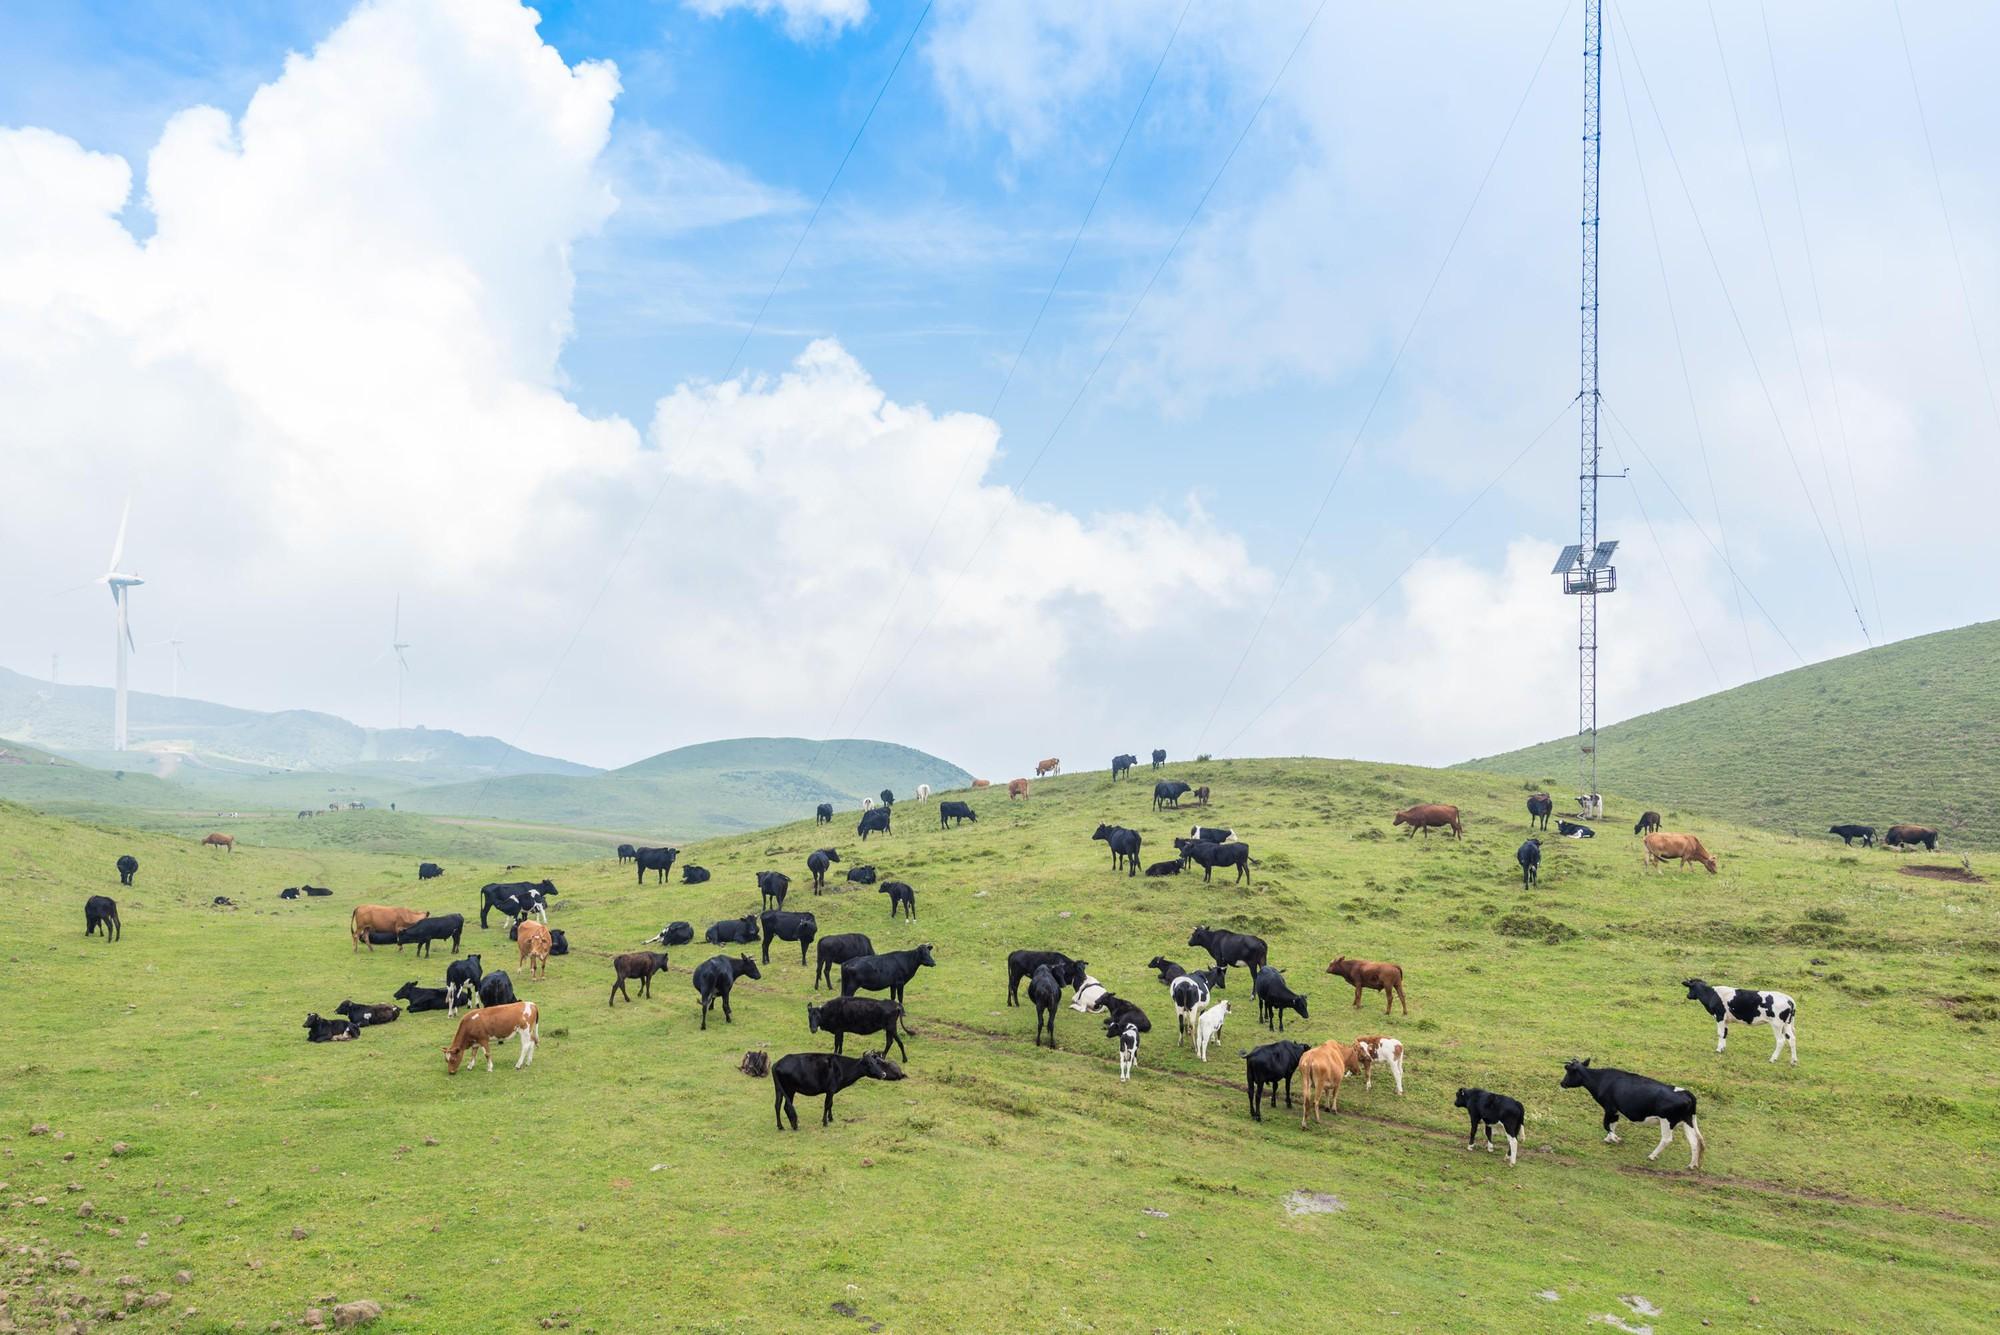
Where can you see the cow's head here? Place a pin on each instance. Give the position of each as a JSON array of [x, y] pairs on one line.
[[924, 956], [746, 967], [1573, 1071], [1198, 935], [1695, 987], [452, 1057], [812, 1018], [877, 1067]]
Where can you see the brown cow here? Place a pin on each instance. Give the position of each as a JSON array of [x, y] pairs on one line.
[[1322, 1069], [640, 964], [1201, 796], [1427, 815], [1016, 788], [535, 943], [495, 1024], [372, 918], [1048, 766], [1379, 976], [1909, 836], [225, 842], [1662, 847]]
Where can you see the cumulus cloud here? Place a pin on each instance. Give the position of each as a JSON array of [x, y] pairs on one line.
[[803, 19]]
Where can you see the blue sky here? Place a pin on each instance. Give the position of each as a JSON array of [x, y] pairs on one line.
[[1222, 413]]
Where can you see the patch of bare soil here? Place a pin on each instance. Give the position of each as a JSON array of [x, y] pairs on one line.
[[1931, 872]]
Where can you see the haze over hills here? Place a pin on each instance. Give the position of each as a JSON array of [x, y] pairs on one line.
[[1908, 731]]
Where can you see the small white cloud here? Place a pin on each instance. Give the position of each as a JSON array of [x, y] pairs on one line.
[[803, 19]]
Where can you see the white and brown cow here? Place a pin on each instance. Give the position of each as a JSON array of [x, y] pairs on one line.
[[1372, 1048], [495, 1024]]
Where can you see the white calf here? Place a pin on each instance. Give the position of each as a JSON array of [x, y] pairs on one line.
[[1207, 1026], [923, 792]]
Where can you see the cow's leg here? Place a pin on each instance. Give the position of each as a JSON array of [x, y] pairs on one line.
[[487, 1052], [617, 986], [1721, 1035], [1357, 996], [527, 1048], [704, 1011], [1489, 1137], [1610, 1126], [1396, 1065], [1513, 1148], [826, 1117], [1472, 1133], [1792, 1037], [1666, 1137], [1696, 1142], [727, 1018], [782, 1106]]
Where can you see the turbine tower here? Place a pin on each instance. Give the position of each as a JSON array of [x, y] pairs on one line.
[[121, 585], [396, 646], [175, 645]]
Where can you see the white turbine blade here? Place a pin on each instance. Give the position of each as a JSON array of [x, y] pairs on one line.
[[404, 661], [118, 547], [396, 626]]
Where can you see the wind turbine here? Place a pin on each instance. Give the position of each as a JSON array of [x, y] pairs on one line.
[[396, 646], [175, 644], [120, 585]]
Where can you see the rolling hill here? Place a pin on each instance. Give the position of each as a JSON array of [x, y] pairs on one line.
[[1906, 732]]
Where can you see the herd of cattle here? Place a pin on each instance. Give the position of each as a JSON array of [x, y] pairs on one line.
[[493, 1013]]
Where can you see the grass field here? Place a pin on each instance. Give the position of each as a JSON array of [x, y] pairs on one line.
[[632, 1179]]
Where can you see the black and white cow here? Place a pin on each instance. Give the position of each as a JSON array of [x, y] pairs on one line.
[[1744, 1005], [1569, 829], [1190, 993], [1489, 1110], [1212, 836], [1638, 1098]]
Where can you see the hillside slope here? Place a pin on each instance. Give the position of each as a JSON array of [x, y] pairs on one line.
[[1906, 732]]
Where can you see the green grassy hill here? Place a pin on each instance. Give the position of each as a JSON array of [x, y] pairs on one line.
[[1004, 1186], [1906, 732]]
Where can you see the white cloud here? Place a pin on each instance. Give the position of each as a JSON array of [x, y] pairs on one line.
[[803, 19], [666, 185]]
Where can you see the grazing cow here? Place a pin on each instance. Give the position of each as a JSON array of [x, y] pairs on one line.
[[368, 919], [1849, 833], [873, 822], [862, 875], [817, 862], [1909, 836], [128, 867], [823, 814], [923, 792], [982, 783], [772, 887], [1490, 1110], [1321, 1070], [1209, 1027], [496, 989], [659, 861], [733, 931], [330, 1031], [425, 932], [1201, 796], [1121, 766], [495, 1024], [535, 944], [1023, 963], [1529, 855], [715, 976], [673, 934], [1016, 788], [825, 1073], [102, 911], [639, 964], [1662, 847], [1267, 1065], [1638, 1098], [1427, 816], [888, 798], [1168, 793], [225, 842], [955, 811], [1210, 856], [626, 853], [1274, 998], [693, 874], [1744, 1005], [1124, 845], [461, 984], [1230, 947], [1190, 994], [799, 927], [1373, 975], [366, 1015], [430, 870], [1163, 869], [1373, 1048], [838, 950], [1166, 968], [382, 938], [1540, 806], [1049, 766], [1208, 835], [511, 899], [421, 998], [900, 896], [315, 891], [289, 892], [1159, 757], [841, 1016], [888, 972], [1045, 994], [1648, 822]]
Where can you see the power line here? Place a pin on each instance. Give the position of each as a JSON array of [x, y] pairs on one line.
[[1667, 564], [1409, 333]]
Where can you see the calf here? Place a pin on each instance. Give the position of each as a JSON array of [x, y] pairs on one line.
[[495, 1024], [838, 950], [1540, 805], [427, 871], [289, 892], [1648, 822], [1127, 1035], [1684, 848], [496, 989], [1201, 796], [421, 998], [1045, 994], [1373, 1048], [128, 867], [1569, 829], [330, 1031], [1210, 856], [639, 964], [772, 887], [823, 814], [864, 875], [534, 943], [1267, 1065], [873, 822], [366, 1015], [102, 911], [841, 1016], [960, 812], [1274, 998], [799, 927], [1208, 1027], [461, 984], [1744, 1005], [1373, 975], [889, 972], [1428, 816], [822, 1073], [733, 931], [1168, 793], [715, 976], [1166, 968], [426, 932], [1190, 993], [1124, 845], [1322, 1069], [1490, 1110], [1909, 836], [315, 891], [1849, 833], [1638, 1098], [1164, 869], [673, 934], [1023, 963], [900, 896], [817, 862], [626, 853], [1529, 855], [658, 861], [1231, 947], [693, 875]]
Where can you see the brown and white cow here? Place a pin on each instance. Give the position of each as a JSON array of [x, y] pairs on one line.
[[225, 842], [1048, 766], [1372, 1048], [495, 1024], [1375, 975], [1685, 848], [371, 918], [536, 943], [1016, 788], [1427, 816]]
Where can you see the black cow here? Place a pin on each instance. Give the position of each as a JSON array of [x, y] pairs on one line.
[[1167, 969], [875, 821], [732, 931], [315, 891], [772, 887], [673, 934], [955, 811], [888, 972], [1648, 822], [1569, 829], [496, 989], [817, 862], [366, 1014], [427, 931], [900, 896], [864, 875], [514, 898], [428, 871], [1170, 868], [693, 875], [888, 798], [1540, 805], [1168, 792], [715, 976], [1023, 963], [823, 814], [1274, 998], [1121, 766], [626, 853], [1267, 1065], [1529, 855], [128, 867], [838, 950], [822, 1073], [1231, 947], [330, 1031], [659, 861], [799, 927], [1848, 834], [1159, 757], [1124, 845], [1638, 1098], [461, 983], [558, 939], [289, 892], [1210, 856], [841, 1016], [420, 998], [1211, 836], [1045, 994], [102, 911], [1488, 1110]]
